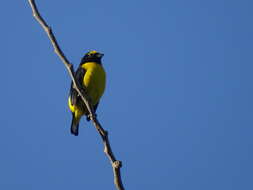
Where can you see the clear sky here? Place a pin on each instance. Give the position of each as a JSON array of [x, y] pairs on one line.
[[178, 104]]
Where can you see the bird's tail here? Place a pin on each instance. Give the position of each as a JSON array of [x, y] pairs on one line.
[[74, 125]]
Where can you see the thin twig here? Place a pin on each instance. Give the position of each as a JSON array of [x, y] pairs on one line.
[[116, 165]]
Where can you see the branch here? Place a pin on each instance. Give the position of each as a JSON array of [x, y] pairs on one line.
[[116, 165]]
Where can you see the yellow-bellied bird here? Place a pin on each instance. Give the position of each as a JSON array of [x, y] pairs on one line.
[[91, 75]]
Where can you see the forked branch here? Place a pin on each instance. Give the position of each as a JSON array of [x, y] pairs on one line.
[[116, 165]]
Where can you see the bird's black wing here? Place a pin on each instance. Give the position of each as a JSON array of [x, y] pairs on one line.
[[95, 107], [79, 74]]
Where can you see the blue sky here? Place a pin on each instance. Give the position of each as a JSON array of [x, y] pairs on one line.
[[178, 104]]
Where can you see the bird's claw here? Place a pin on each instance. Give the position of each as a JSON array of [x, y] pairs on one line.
[[88, 117]]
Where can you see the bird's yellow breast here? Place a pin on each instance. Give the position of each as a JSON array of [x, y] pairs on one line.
[[94, 80]]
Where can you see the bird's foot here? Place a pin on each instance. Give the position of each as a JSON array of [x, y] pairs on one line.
[[88, 117]]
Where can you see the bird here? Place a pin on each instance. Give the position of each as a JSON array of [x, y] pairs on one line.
[[91, 75]]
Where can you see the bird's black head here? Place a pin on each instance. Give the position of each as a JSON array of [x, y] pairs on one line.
[[92, 56]]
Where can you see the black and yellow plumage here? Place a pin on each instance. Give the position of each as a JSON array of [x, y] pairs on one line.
[[91, 75]]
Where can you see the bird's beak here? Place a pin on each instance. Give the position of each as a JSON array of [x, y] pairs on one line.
[[100, 55]]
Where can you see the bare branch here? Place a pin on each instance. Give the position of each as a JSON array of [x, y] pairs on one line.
[[116, 165]]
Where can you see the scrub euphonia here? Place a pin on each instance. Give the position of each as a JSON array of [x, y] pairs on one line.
[[92, 76]]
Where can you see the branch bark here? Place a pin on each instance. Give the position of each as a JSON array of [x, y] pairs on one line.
[[116, 164]]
